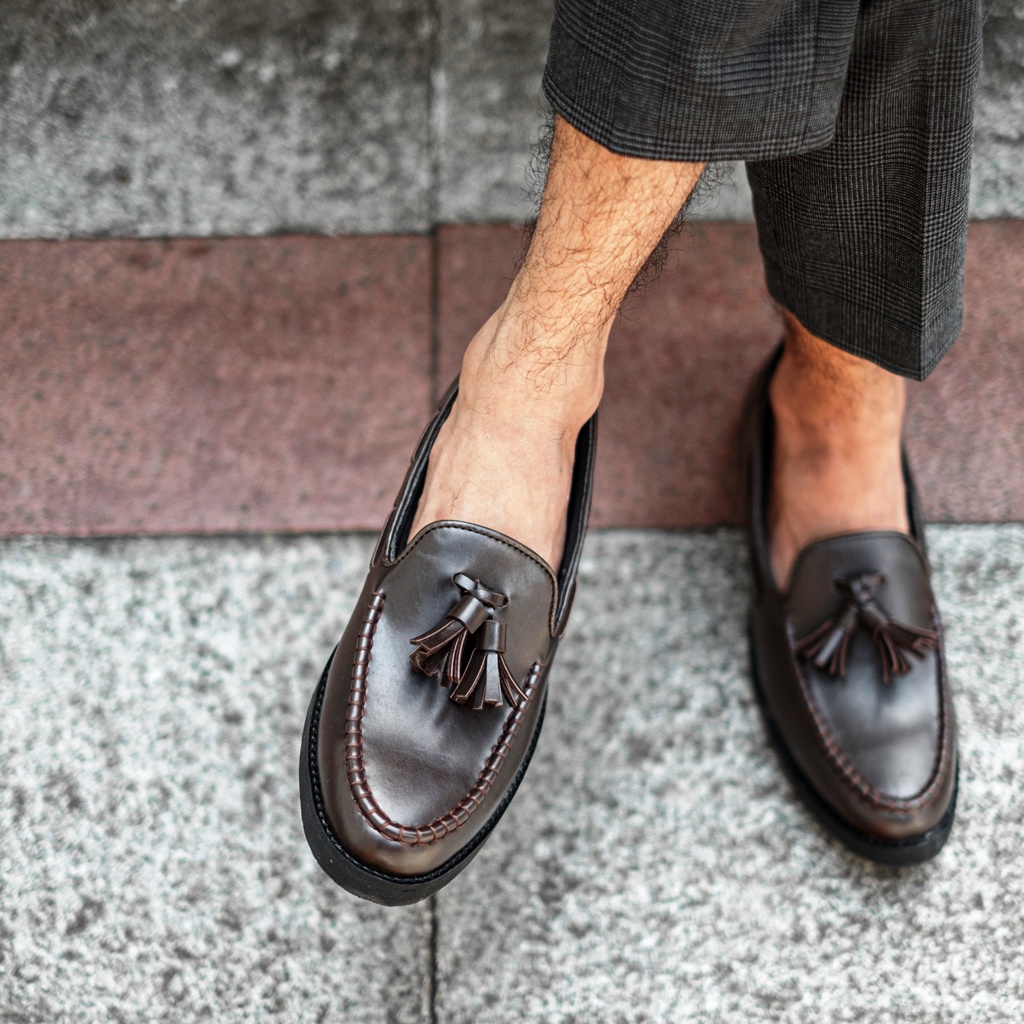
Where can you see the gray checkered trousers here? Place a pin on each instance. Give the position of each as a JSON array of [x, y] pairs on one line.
[[854, 118]]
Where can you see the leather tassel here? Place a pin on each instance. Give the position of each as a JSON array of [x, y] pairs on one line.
[[828, 645], [441, 650], [892, 638], [487, 680], [433, 646]]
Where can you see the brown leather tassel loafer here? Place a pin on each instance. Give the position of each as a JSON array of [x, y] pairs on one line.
[[429, 709], [849, 671]]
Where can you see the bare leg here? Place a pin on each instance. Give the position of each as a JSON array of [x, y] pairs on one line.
[[534, 373], [837, 447]]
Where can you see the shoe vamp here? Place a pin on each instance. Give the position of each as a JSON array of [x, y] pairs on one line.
[[423, 753], [889, 733]]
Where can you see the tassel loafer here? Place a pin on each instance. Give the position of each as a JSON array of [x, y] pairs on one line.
[[426, 716], [849, 671]]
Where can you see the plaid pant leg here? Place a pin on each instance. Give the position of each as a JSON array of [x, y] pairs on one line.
[[864, 239]]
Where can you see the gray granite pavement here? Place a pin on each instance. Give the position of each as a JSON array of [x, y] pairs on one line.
[[654, 867], [152, 864], [251, 117]]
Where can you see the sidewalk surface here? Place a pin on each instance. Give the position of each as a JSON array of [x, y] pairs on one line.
[[259, 117], [160, 375], [653, 868]]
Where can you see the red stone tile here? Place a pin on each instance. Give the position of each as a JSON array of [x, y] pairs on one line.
[[476, 264], [241, 384], [254, 384], [965, 424], [681, 359], [683, 352]]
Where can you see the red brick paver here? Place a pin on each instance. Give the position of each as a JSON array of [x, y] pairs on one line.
[[280, 383], [241, 384]]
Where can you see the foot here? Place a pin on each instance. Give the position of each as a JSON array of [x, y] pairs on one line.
[[504, 457], [837, 465]]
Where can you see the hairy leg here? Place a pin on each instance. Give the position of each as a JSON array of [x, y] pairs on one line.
[[837, 447], [534, 373]]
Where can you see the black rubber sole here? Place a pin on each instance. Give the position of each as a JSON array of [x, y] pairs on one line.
[[915, 850], [348, 871]]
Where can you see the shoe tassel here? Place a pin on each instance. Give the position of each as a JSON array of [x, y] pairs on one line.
[[487, 679], [827, 646], [484, 680]]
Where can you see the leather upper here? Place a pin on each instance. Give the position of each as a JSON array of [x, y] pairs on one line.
[[881, 754], [407, 776]]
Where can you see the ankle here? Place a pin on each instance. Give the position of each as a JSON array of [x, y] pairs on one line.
[[836, 408], [512, 371]]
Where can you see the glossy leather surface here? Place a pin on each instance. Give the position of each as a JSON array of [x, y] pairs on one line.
[[408, 776], [881, 755]]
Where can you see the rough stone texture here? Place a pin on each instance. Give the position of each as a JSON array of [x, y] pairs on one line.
[[213, 117], [997, 187], [152, 863], [240, 384], [655, 866], [207, 117], [488, 107]]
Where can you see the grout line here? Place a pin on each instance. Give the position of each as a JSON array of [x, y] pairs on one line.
[[433, 212], [434, 112], [434, 190], [432, 979], [435, 318]]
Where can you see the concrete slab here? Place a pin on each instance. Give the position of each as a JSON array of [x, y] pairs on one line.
[[489, 112], [997, 185], [488, 108], [655, 866], [214, 117], [217, 117], [152, 864]]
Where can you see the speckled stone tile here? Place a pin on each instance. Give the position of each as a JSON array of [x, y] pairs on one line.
[[214, 117], [656, 867], [152, 864]]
